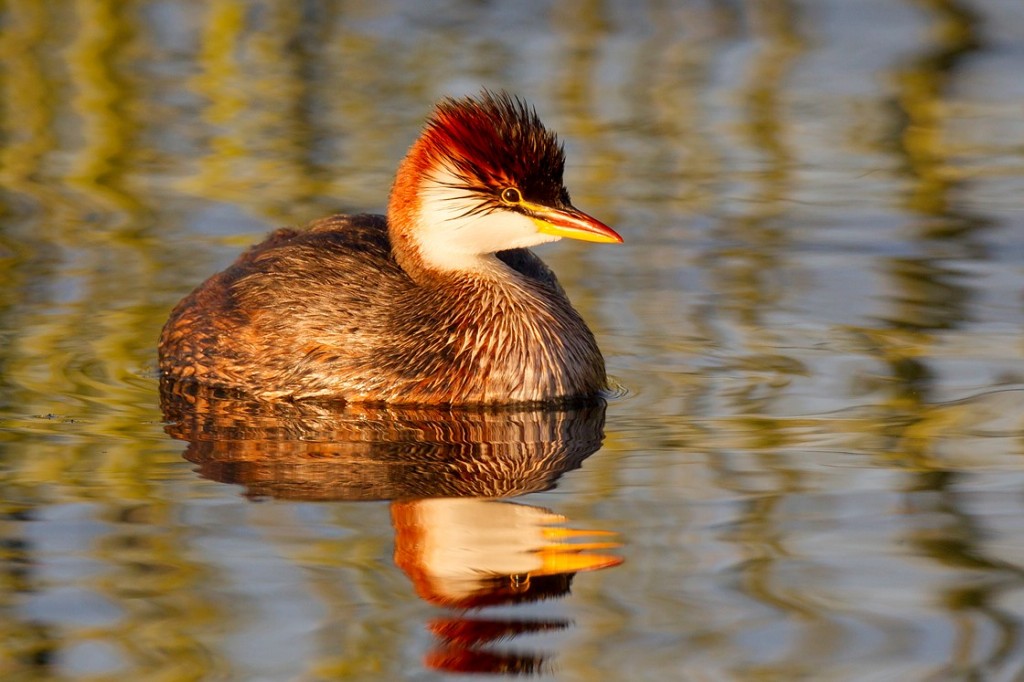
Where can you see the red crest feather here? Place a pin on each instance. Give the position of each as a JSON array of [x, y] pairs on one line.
[[495, 141]]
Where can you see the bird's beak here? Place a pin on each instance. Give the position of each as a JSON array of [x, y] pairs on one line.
[[570, 223]]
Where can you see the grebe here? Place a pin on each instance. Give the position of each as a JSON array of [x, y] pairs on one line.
[[439, 303]]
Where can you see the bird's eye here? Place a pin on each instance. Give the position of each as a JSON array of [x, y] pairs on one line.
[[511, 195]]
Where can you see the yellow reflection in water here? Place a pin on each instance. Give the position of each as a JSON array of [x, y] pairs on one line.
[[103, 104], [26, 102], [255, 90]]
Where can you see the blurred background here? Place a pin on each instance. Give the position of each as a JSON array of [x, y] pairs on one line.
[[812, 467]]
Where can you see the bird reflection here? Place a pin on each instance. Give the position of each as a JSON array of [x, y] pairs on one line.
[[468, 553], [461, 548]]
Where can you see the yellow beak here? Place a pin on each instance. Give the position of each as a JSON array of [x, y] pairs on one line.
[[570, 223]]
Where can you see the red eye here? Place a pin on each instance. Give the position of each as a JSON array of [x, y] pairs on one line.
[[511, 195]]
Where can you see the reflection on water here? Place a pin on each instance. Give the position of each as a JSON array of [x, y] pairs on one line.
[[323, 451], [472, 553], [459, 549], [816, 316]]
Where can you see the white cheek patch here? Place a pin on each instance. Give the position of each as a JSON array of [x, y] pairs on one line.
[[451, 236]]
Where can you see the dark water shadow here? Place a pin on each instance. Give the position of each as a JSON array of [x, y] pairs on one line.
[[443, 470]]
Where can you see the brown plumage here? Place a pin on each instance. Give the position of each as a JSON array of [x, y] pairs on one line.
[[439, 303]]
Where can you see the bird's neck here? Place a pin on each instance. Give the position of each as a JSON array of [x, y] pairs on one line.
[[431, 262]]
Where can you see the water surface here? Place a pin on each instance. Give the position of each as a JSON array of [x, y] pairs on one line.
[[812, 468]]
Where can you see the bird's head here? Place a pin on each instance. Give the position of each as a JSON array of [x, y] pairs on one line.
[[484, 176]]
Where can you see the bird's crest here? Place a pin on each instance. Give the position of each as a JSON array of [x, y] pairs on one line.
[[495, 141]]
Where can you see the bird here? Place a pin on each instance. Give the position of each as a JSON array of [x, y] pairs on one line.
[[440, 302]]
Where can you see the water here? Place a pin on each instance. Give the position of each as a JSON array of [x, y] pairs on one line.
[[812, 467]]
